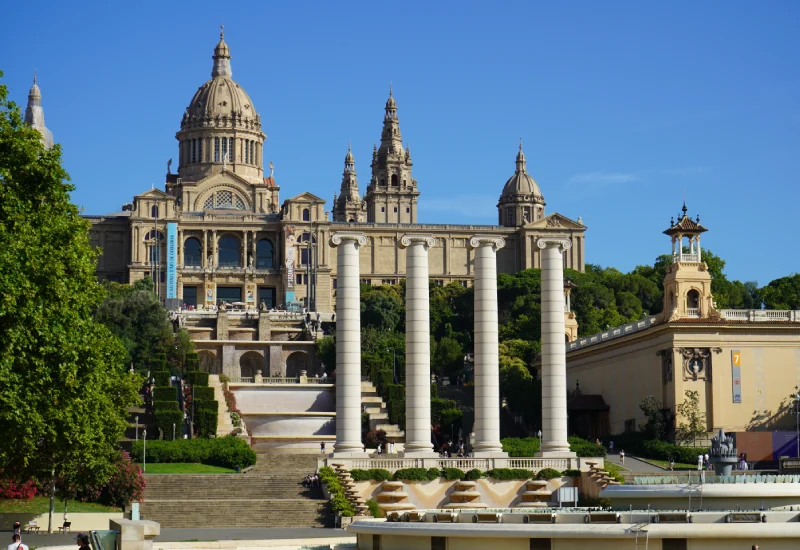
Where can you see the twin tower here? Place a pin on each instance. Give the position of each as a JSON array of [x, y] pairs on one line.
[[418, 372]]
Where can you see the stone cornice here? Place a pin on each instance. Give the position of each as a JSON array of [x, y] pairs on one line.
[[339, 237], [410, 238], [544, 242], [483, 240]]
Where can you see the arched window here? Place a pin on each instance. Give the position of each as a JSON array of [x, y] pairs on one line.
[[693, 299], [216, 149], [306, 215], [192, 252], [265, 254], [394, 180], [228, 255], [154, 211]]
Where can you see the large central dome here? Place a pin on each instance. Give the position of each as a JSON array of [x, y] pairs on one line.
[[221, 100]]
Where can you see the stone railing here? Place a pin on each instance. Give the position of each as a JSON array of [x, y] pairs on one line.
[[279, 380], [611, 334], [761, 315], [465, 464], [686, 258], [693, 312]]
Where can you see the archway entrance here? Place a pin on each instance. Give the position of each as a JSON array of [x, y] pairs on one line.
[[297, 362], [249, 363]]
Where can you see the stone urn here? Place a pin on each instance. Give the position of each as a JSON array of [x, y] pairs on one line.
[[723, 454]]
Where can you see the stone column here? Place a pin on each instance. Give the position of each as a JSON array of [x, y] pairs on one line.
[[418, 347], [554, 356], [487, 379], [348, 345]]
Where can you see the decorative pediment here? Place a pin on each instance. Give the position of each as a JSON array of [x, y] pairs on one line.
[[307, 198], [155, 194], [555, 221]]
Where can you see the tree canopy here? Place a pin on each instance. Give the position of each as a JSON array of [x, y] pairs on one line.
[[63, 391]]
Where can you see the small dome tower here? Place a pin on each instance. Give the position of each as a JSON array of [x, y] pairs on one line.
[[521, 201]]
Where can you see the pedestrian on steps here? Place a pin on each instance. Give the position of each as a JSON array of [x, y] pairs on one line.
[[622, 456], [322, 447]]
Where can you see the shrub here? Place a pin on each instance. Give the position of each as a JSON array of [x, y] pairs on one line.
[[228, 452], [434, 391], [451, 417], [158, 364], [166, 419], [161, 377], [170, 405], [373, 474], [517, 447], [203, 393], [663, 450], [584, 448], [438, 405], [374, 509], [374, 438], [126, 484], [614, 471], [196, 378], [165, 393], [572, 473], [205, 419], [397, 413], [412, 474], [339, 502], [192, 361], [433, 473], [472, 475], [224, 378], [10, 489], [208, 405], [548, 473], [452, 474], [509, 473]]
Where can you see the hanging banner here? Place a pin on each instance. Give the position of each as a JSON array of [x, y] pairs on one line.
[[736, 375], [289, 263], [172, 260]]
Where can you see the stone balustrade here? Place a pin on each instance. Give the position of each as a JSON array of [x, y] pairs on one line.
[[465, 464]]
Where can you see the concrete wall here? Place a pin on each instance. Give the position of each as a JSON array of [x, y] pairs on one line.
[[288, 424], [80, 522]]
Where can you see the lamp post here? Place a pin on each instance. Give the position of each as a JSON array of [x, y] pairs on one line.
[[144, 453], [539, 433], [137, 428], [797, 417]]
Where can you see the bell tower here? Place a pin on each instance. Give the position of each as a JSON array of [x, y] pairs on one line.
[[348, 206], [687, 284], [392, 192]]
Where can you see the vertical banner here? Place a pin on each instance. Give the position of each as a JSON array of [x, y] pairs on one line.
[[172, 257], [289, 248], [736, 375]]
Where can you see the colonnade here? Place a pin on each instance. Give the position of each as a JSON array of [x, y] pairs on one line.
[[486, 357]]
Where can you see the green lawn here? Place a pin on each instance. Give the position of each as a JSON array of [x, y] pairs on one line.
[[665, 464], [41, 505], [185, 468]]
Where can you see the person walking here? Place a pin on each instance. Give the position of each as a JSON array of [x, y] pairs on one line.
[[322, 447], [83, 541], [622, 456], [391, 447], [16, 543]]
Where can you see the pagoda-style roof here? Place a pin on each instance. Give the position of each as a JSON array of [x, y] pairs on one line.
[[685, 225]]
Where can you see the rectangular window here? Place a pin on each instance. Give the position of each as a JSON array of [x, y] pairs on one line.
[[438, 282], [216, 149], [193, 157], [673, 544], [225, 150], [190, 296], [247, 151], [408, 210], [383, 209], [200, 150], [376, 542], [366, 282], [229, 294], [465, 284], [333, 283], [541, 544], [395, 209], [299, 279], [438, 543], [266, 296], [232, 145], [252, 152], [304, 256]]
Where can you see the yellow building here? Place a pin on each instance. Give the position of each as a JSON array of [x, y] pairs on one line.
[[744, 364]]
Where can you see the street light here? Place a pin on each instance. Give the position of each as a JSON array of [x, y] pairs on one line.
[[137, 428], [539, 433], [144, 453]]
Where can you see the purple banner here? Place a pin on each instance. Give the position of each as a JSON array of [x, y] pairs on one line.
[[784, 444]]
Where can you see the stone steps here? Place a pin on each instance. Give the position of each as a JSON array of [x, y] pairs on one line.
[[237, 513], [221, 487]]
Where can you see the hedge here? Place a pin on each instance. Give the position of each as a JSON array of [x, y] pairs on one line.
[[510, 473], [165, 393], [170, 405], [165, 419], [548, 473], [161, 377], [529, 446], [228, 452], [663, 450], [205, 420], [451, 417], [586, 449], [438, 406], [452, 474], [373, 474], [339, 501], [204, 404], [158, 364], [196, 378], [417, 474], [203, 393], [192, 361]]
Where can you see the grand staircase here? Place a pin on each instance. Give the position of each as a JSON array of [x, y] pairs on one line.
[[378, 414], [269, 495]]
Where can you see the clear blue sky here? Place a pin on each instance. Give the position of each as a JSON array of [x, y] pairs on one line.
[[624, 108]]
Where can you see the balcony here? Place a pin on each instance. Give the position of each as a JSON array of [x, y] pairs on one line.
[[693, 312], [761, 315], [685, 258]]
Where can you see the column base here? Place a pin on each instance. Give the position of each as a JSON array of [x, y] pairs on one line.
[[489, 454], [420, 454], [348, 450], [348, 454]]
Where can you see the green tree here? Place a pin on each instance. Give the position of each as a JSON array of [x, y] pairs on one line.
[[783, 293], [381, 309], [63, 391], [692, 423], [656, 426], [447, 356], [326, 351]]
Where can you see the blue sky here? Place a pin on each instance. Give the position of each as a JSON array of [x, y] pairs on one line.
[[624, 108]]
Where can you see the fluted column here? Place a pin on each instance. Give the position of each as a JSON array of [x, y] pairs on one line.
[[554, 356], [487, 378], [418, 347], [348, 344]]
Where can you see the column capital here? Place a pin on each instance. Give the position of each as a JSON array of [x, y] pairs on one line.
[[409, 239], [339, 237], [487, 240], [545, 242]]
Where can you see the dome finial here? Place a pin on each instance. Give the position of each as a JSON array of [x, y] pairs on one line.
[[390, 88], [684, 209], [520, 158], [222, 32], [520, 145], [222, 57], [34, 77]]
